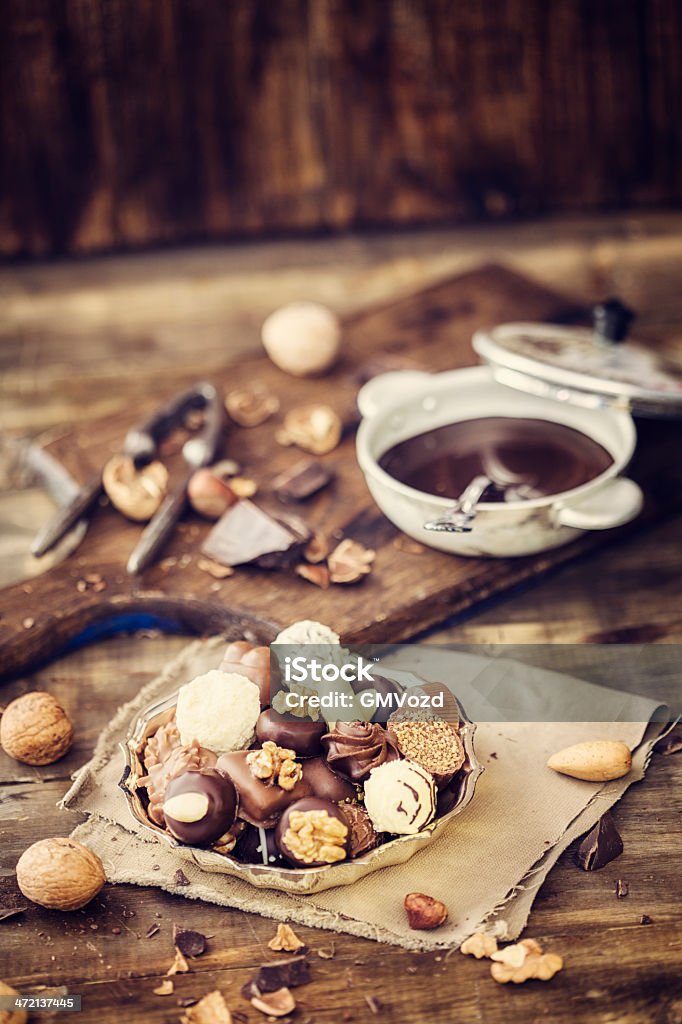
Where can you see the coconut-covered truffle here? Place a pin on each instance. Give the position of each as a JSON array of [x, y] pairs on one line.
[[400, 797], [219, 710], [307, 631]]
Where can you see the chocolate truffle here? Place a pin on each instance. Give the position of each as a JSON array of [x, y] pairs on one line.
[[354, 748], [400, 797], [199, 806], [363, 836], [164, 761], [249, 847], [260, 802], [313, 832], [326, 783], [432, 743], [301, 734]]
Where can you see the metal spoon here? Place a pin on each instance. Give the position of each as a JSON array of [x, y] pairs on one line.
[[459, 517]]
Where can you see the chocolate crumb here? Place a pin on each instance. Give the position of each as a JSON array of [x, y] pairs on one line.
[[622, 889], [189, 942], [181, 878], [156, 867], [494, 755], [283, 974], [645, 919], [600, 846]]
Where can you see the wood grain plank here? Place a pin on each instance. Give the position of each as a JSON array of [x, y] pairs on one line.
[[406, 593]]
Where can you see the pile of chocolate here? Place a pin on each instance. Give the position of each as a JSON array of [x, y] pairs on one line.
[[230, 773]]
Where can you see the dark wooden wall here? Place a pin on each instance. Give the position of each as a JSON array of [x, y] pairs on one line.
[[134, 122]]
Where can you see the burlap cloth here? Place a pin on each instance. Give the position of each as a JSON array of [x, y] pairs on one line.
[[487, 867]]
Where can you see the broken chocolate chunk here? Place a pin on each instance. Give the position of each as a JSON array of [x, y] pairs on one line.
[[303, 480], [283, 974], [246, 533], [600, 846], [190, 943]]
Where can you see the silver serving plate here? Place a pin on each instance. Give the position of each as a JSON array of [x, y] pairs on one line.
[[291, 880]]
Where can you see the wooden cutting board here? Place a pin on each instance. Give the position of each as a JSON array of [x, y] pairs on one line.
[[405, 594]]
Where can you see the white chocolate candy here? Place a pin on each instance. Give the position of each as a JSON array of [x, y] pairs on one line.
[[219, 711], [302, 338], [400, 797]]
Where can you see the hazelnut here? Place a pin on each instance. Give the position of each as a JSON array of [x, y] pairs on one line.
[[60, 874], [137, 493], [35, 729], [314, 428], [209, 495], [11, 1016], [302, 338], [424, 913]]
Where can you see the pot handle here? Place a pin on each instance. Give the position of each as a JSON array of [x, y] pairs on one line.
[[386, 388], [615, 504]]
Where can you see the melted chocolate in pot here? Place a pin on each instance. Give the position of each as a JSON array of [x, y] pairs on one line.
[[525, 458]]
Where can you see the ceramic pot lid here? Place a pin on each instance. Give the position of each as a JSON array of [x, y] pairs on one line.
[[589, 367]]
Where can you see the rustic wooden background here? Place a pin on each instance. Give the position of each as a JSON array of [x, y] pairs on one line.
[[127, 123]]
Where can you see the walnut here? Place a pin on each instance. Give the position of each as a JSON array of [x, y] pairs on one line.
[[249, 407], [424, 913], [524, 961], [314, 836], [275, 765], [349, 562], [137, 493], [285, 940], [314, 428], [479, 945], [60, 874], [11, 1016], [35, 729]]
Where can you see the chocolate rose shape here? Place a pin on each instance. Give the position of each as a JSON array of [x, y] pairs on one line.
[[353, 749]]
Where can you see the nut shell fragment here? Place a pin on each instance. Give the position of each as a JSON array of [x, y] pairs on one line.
[[35, 729], [60, 874], [137, 493], [350, 561]]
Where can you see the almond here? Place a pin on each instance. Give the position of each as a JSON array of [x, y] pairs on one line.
[[594, 761]]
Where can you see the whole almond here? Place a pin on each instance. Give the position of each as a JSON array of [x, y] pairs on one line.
[[593, 761]]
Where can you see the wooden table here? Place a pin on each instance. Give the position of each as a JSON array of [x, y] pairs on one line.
[[617, 969]]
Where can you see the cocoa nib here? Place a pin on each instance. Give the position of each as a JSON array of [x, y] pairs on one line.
[[282, 974], [190, 943], [600, 846]]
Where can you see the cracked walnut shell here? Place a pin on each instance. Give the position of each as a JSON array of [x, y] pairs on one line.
[[60, 874], [35, 729]]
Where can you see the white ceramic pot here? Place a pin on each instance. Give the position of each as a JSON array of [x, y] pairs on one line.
[[399, 405]]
